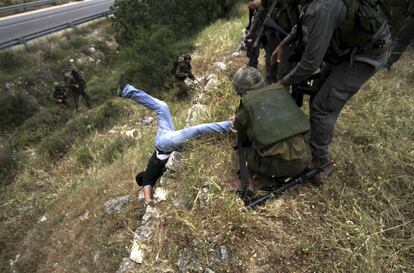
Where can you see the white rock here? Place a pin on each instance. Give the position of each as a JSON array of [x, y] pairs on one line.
[[147, 120], [143, 233], [112, 131], [115, 205], [174, 162], [136, 253], [92, 50], [126, 266], [236, 54], [150, 213], [42, 219], [196, 113], [219, 66], [134, 133], [141, 195], [212, 83], [85, 216], [13, 263], [165, 181], [160, 194]]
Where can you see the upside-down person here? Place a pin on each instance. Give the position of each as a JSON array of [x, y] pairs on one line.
[[167, 139]]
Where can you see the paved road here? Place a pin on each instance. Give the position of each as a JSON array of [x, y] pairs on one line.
[[16, 26]]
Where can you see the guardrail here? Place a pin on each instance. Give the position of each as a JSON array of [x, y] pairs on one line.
[[22, 40], [25, 6]]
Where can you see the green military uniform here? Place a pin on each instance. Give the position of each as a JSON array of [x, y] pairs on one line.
[[76, 85], [271, 128], [60, 94], [183, 71], [286, 15]]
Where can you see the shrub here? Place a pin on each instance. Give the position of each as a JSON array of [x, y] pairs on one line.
[[15, 109], [10, 61], [116, 148], [152, 53], [34, 129], [8, 164], [84, 157]]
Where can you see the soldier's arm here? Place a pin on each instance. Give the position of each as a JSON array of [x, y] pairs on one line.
[[320, 20]]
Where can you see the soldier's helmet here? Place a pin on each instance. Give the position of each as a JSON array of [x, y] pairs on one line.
[[67, 76], [55, 84], [187, 57], [247, 78]]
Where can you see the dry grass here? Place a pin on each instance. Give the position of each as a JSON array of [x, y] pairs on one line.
[[360, 221]]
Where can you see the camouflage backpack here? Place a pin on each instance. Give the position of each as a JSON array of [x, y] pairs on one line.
[[273, 116]]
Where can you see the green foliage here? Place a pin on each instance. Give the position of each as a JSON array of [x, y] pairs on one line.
[[150, 57], [34, 129], [84, 157], [116, 148], [15, 109], [8, 164], [10, 61], [152, 33], [60, 142]]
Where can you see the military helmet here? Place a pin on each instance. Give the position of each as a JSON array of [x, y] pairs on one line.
[[247, 78], [187, 57], [67, 75]]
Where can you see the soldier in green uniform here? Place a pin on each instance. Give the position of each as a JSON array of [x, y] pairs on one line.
[[76, 84], [353, 48], [60, 94], [183, 71], [285, 15], [270, 127]]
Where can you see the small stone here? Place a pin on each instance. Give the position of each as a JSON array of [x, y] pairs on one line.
[[143, 233], [115, 205], [236, 54], [13, 263], [134, 133], [219, 66], [85, 216], [219, 255], [150, 213], [92, 50], [202, 196], [160, 194], [223, 254], [126, 266], [136, 253], [208, 270], [187, 262], [25, 209], [148, 120], [174, 162], [42, 219], [141, 195]]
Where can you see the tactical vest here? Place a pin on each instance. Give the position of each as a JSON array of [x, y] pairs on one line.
[[286, 14], [273, 116], [364, 20]]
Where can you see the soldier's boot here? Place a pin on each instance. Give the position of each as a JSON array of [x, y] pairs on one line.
[[121, 84], [324, 175]]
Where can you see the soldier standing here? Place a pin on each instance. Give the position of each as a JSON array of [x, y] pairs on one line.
[[353, 50], [285, 15], [76, 84], [183, 71]]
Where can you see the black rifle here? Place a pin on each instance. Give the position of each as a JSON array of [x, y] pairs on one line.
[[268, 22], [289, 184]]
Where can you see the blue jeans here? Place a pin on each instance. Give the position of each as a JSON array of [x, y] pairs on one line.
[[167, 139]]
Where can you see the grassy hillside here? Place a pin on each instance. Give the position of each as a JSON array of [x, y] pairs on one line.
[[359, 221]]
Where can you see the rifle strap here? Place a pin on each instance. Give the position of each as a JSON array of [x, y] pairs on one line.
[[243, 168]]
